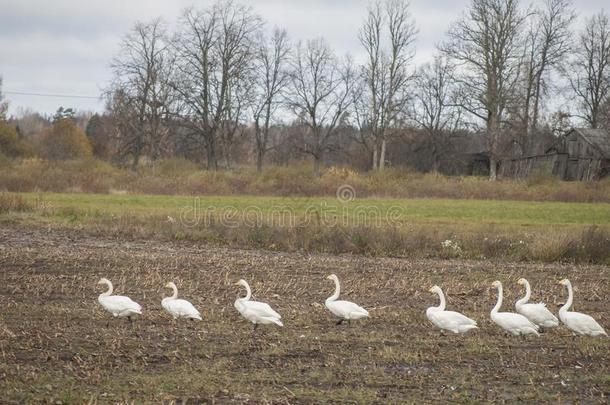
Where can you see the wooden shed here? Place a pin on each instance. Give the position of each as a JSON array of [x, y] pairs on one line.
[[581, 154]]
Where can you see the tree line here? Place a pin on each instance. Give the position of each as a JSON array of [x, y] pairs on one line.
[[223, 85]]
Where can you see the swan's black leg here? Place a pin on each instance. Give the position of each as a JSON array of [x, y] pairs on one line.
[[349, 322], [255, 326], [339, 322], [130, 321]]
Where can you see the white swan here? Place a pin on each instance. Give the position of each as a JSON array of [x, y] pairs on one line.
[[118, 305], [448, 320], [179, 308], [345, 310], [577, 322], [513, 323], [256, 312], [536, 313]]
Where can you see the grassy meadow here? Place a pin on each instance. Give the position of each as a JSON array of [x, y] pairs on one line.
[[82, 207], [518, 230]]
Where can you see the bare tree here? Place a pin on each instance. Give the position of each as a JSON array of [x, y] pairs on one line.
[[486, 46], [589, 71], [320, 94], [3, 104], [214, 48], [547, 42], [605, 116], [387, 35], [360, 118], [239, 97], [433, 109], [140, 90], [271, 75]]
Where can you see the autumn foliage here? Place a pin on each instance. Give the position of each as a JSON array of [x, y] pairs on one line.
[[63, 141], [10, 143]]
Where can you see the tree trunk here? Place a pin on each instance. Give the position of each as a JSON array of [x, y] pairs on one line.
[[382, 155], [493, 165], [436, 164], [493, 132], [375, 157], [260, 155], [135, 162], [212, 163], [317, 163]]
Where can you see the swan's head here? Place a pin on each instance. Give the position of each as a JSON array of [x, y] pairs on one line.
[[522, 281], [242, 283], [565, 281], [103, 281], [333, 277], [496, 284], [170, 285], [435, 289]]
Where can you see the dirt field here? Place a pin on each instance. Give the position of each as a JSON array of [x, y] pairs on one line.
[[57, 345]]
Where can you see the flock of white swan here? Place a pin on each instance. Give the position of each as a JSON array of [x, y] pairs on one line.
[[530, 318]]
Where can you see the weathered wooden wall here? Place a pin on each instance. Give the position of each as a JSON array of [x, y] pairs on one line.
[[572, 157], [542, 165]]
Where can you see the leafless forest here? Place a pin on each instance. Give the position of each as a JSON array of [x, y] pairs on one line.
[[221, 87]]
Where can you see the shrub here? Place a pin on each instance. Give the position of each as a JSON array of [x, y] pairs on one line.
[[10, 144], [595, 245], [178, 176], [64, 140], [12, 202]]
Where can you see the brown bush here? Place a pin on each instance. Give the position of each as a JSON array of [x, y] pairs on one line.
[[177, 176], [63, 141], [10, 143], [13, 203]]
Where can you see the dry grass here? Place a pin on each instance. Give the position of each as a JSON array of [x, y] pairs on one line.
[[551, 243], [57, 345], [547, 232], [176, 176], [14, 203]]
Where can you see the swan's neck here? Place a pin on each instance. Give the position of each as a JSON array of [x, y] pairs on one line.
[[499, 303], [337, 292], [109, 292], [248, 293], [528, 292], [568, 303], [175, 294], [442, 305]]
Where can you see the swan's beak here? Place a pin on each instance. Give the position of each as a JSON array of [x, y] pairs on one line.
[[236, 283], [431, 289], [329, 277]]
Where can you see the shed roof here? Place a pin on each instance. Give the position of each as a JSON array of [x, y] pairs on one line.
[[470, 143], [599, 138]]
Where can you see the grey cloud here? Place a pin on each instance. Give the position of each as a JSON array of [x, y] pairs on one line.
[[65, 46]]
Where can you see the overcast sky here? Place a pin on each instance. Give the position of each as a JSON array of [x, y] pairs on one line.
[[65, 46]]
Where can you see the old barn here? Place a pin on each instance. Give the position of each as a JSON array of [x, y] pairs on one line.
[[581, 154]]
